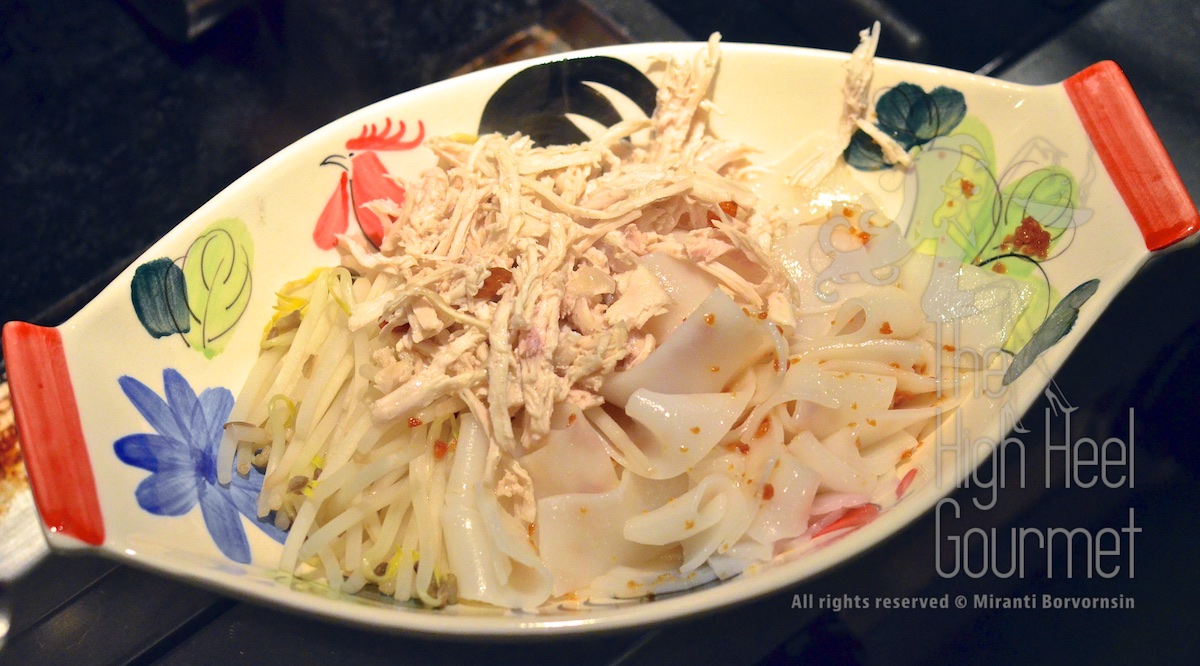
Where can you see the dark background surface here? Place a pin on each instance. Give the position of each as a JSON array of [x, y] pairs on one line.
[[114, 132]]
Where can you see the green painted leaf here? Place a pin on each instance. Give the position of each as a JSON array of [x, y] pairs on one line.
[[912, 117], [217, 270], [894, 109], [864, 154], [159, 296], [956, 195], [1059, 323], [1048, 195], [939, 113]]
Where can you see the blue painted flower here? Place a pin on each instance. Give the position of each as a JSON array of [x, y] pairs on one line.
[[182, 459]]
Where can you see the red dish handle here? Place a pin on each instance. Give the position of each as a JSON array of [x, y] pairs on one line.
[[51, 435], [1133, 155]]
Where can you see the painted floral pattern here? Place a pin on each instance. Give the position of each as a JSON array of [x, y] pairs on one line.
[[959, 203], [912, 117], [202, 295], [181, 457]]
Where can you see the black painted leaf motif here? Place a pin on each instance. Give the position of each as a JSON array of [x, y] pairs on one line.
[[159, 294], [863, 153], [912, 117], [1059, 323], [535, 101], [895, 109], [948, 107]]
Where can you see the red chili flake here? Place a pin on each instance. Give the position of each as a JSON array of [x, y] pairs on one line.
[[908, 453], [856, 517], [920, 369], [740, 447], [762, 315], [847, 212], [414, 421], [768, 491], [1029, 239], [863, 236], [439, 449], [776, 364], [729, 207], [886, 329], [710, 319], [764, 427], [968, 188], [900, 398], [999, 268], [497, 277], [695, 430], [571, 419], [905, 482]]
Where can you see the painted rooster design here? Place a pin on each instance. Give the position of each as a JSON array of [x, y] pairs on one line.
[[364, 179]]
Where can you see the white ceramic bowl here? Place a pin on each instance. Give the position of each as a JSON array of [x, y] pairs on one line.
[[1124, 202]]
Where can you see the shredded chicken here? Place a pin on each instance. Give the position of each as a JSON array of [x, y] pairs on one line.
[[856, 91], [512, 271], [512, 282], [856, 107]]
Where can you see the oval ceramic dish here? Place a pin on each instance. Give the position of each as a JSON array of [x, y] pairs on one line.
[[1065, 187]]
